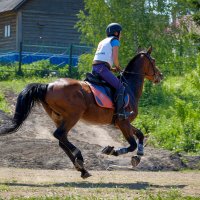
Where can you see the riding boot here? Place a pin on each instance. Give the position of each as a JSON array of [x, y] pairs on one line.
[[122, 114]]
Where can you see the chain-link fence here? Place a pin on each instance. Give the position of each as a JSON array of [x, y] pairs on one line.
[[67, 57], [54, 55]]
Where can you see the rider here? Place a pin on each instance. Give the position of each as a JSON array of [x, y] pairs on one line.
[[106, 55]]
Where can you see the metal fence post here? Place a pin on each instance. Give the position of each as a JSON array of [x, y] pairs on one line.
[[70, 60], [20, 60]]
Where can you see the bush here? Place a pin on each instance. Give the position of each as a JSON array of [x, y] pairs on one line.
[[41, 69], [172, 120], [85, 64]]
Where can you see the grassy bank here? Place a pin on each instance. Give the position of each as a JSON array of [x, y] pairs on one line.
[[16, 86], [3, 103]]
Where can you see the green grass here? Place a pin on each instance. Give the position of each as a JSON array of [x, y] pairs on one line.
[[168, 195], [4, 188], [171, 195], [169, 113], [3, 103], [17, 85]]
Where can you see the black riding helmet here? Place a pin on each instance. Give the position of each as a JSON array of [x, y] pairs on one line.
[[112, 28]]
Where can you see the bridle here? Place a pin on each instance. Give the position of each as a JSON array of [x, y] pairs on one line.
[[154, 75]]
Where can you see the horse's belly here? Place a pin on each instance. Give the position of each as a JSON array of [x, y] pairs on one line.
[[98, 115]]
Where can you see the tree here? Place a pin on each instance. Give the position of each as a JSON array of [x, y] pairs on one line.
[[192, 8], [145, 22], [196, 17], [195, 7]]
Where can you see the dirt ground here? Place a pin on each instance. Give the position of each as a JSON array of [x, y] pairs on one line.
[[34, 147], [103, 184]]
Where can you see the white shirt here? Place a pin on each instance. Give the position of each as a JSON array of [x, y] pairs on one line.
[[104, 51]]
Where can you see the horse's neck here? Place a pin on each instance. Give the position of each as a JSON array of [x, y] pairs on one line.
[[135, 83], [135, 79]]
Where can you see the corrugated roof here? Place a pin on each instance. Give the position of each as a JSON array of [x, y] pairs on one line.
[[8, 5]]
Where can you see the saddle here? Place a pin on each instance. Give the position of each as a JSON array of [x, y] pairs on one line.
[[103, 93]]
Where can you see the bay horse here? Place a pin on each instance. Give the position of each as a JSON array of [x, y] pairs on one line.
[[67, 101]]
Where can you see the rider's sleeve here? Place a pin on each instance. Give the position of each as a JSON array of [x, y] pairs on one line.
[[115, 42]]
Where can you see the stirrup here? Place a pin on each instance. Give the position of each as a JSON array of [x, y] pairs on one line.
[[125, 115]]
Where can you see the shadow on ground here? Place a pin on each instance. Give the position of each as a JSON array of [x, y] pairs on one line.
[[131, 186]]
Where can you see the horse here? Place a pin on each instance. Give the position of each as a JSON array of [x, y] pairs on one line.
[[67, 101]]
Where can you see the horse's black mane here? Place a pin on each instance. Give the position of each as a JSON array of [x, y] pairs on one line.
[[134, 59]]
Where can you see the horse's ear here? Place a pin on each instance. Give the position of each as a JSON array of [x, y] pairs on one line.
[[149, 50], [139, 49]]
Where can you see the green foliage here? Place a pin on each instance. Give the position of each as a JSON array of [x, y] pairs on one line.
[[194, 7], [139, 21], [93, 21], [16, 85], [195, 76], [7, 72], [85, 64], [3, 103], [172, 119], [196, 18], [41, 68]]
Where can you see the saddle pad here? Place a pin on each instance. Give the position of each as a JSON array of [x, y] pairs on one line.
[[102, 98]]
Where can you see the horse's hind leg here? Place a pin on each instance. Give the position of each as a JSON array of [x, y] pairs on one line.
[[72, 151]]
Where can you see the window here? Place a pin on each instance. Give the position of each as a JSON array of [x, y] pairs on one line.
[[7, 31]]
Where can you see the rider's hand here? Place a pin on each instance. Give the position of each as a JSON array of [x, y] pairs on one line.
[[113, 69], [116, 69]]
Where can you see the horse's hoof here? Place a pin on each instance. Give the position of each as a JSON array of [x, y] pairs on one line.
[[85, 174], [108, 150], [135, 160]]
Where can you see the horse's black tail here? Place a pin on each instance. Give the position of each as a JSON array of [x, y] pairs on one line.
[[32, 93]]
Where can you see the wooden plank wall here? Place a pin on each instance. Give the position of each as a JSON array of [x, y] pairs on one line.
[[51, 22], [8, 43]]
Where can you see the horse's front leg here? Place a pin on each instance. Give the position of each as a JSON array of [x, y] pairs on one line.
[[128, 133], [72, 151], [140, 136]]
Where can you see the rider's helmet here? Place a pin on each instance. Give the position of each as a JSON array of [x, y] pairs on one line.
[[112, 28]]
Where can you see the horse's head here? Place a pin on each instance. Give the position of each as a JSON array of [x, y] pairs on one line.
[[143, 64], [150, 70]]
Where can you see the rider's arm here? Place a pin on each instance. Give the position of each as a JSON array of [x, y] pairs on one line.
[[115, 56], [115, 44]]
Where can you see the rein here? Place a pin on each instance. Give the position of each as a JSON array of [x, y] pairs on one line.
[[123, 71], [150, 59]]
